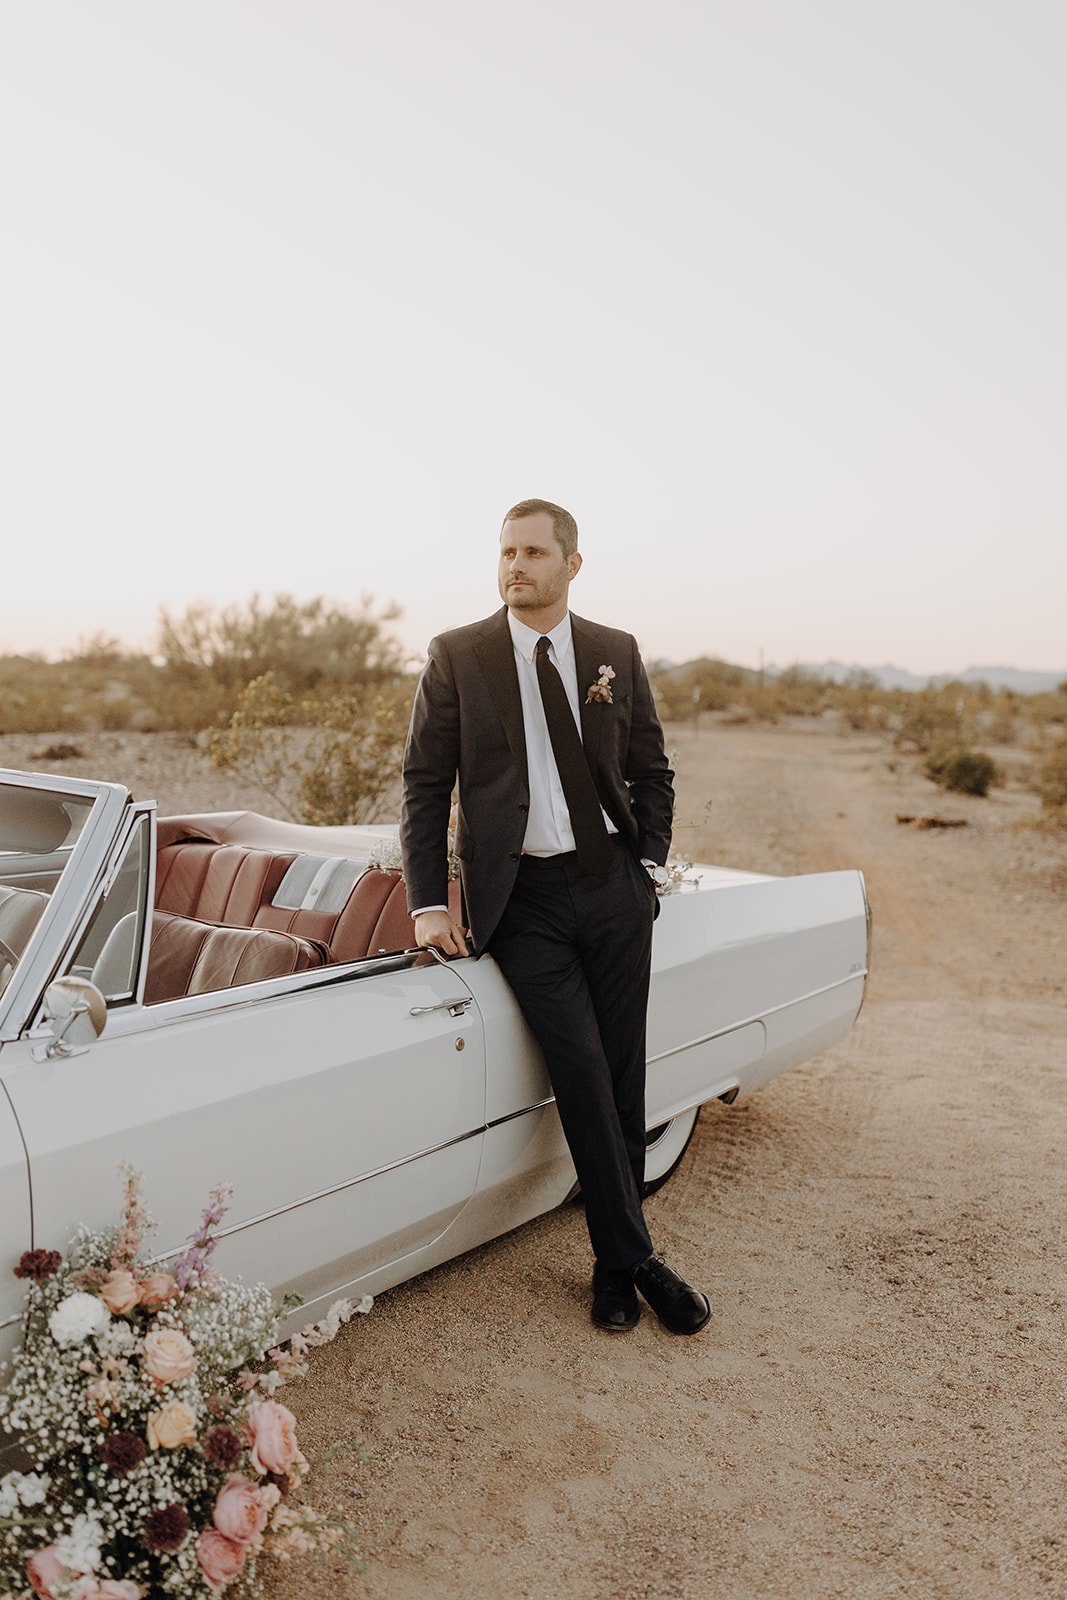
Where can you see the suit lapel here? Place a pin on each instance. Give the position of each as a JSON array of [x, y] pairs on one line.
[[587, 663], [496, 656]]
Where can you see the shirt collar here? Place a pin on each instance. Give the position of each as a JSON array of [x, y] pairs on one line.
[[525, 639]]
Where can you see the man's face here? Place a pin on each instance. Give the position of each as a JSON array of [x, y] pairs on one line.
[[534, 573]]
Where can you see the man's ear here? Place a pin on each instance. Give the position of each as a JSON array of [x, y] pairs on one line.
[[573, 563]]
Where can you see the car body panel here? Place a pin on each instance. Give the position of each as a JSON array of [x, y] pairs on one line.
[[370, 1133]]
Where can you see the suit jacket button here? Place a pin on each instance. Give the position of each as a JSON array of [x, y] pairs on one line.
[[513, 856], [523, 807]]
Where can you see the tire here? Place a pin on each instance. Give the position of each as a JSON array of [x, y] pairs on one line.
[[665, 1147]]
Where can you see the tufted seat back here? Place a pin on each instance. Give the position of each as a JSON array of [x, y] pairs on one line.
[[353, 911], [217, 882], [191, 957]]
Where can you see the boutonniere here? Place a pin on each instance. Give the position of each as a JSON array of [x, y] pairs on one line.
[[601, 689]]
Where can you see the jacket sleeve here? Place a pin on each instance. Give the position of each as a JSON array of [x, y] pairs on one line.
[[431, 760], [647, 771]]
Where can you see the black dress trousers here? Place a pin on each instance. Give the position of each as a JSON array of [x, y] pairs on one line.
[[576, 949]]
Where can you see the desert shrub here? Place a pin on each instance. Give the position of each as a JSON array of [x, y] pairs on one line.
[[307, 644], [328, 760], [707, 684], [953, 766], [1052, 776], [932, 717]]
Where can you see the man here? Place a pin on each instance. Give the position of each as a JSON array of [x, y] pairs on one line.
[[565, 805]]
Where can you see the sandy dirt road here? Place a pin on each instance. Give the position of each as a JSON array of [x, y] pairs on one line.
[[876, 1409]]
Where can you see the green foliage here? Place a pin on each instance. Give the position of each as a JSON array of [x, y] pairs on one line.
[[953, 766], [1052, 777], [331, 760]]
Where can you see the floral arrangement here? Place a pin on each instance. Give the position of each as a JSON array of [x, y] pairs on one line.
[[679, 869], [161, 1462]]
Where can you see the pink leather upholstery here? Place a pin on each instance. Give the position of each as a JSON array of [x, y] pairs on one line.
[[235, 884], [191, 957], [217, 882]]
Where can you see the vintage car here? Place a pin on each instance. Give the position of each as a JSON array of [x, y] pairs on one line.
[[229, 998]]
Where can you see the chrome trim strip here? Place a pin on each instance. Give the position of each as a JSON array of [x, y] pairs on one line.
[[166, 1013], [5, 1322], [334, 1188], [364, 1177], [757, 1016], [509, 1116]]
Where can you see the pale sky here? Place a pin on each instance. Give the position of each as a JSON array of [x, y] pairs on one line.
[[302, 296]]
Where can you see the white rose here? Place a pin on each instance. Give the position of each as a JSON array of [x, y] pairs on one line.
[[76, 1317]]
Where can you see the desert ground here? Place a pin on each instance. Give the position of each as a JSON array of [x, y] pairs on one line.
[[876, 1408]]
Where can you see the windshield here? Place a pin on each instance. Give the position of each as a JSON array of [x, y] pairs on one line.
[[38, 830]]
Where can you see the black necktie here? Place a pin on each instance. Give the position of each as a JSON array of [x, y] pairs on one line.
[[587, 820]]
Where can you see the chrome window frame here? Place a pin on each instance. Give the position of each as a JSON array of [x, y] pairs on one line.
[[77, 883]]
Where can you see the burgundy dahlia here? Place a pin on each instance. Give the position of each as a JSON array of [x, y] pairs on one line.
[[38, 1264], [223, 1448], [122, 1452], [166, 1528], [280, 1480]]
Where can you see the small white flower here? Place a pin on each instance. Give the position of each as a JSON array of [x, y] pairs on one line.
[[79, 1550], [120, 1336], [33, 1488], [76, 1317], [9, 1494]]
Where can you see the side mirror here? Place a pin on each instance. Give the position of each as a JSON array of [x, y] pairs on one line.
[[74, 1015]]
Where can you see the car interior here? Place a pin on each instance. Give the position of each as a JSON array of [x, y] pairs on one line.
[[227, 911]]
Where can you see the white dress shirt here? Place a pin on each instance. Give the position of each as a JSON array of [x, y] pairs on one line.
[[548, 826]]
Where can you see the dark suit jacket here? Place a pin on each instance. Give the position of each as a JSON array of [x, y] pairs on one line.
[[467, 719]]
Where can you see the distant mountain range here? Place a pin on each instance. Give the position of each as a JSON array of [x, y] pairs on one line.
[[891, 677]]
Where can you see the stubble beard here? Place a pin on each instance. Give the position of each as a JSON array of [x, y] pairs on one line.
[[533, 596]]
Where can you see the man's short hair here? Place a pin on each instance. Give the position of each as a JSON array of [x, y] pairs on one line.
[[563, 524]]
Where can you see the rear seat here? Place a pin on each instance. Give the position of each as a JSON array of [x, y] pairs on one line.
[[352, 910], [191, 957], [217, 882]]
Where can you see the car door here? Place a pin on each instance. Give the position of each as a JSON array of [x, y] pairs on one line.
[[344, 1104]]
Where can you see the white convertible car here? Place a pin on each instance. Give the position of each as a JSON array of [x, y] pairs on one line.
[[228, 998]]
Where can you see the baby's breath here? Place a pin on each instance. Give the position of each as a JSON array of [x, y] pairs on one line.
[[111, 1496]]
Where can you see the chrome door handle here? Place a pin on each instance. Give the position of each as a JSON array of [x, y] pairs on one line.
[[455, 1008]]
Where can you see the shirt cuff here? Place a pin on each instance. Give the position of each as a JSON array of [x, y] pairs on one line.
[[421, 909]]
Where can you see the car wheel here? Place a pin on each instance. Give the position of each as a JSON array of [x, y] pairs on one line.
[[666, 1145]]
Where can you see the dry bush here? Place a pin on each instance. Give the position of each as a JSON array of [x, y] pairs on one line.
[[1052, 777], [309, 647], [327, 760], [933, 717]]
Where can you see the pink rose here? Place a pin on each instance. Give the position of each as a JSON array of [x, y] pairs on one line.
[[220, 1559], [120, 1291], [168, 1355], [239, 1511], [171, 1426], [157, 1289], [272, 1436], [44, 1570]]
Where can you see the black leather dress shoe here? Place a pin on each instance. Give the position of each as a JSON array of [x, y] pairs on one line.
[[615, 1303], [680, 1307]]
